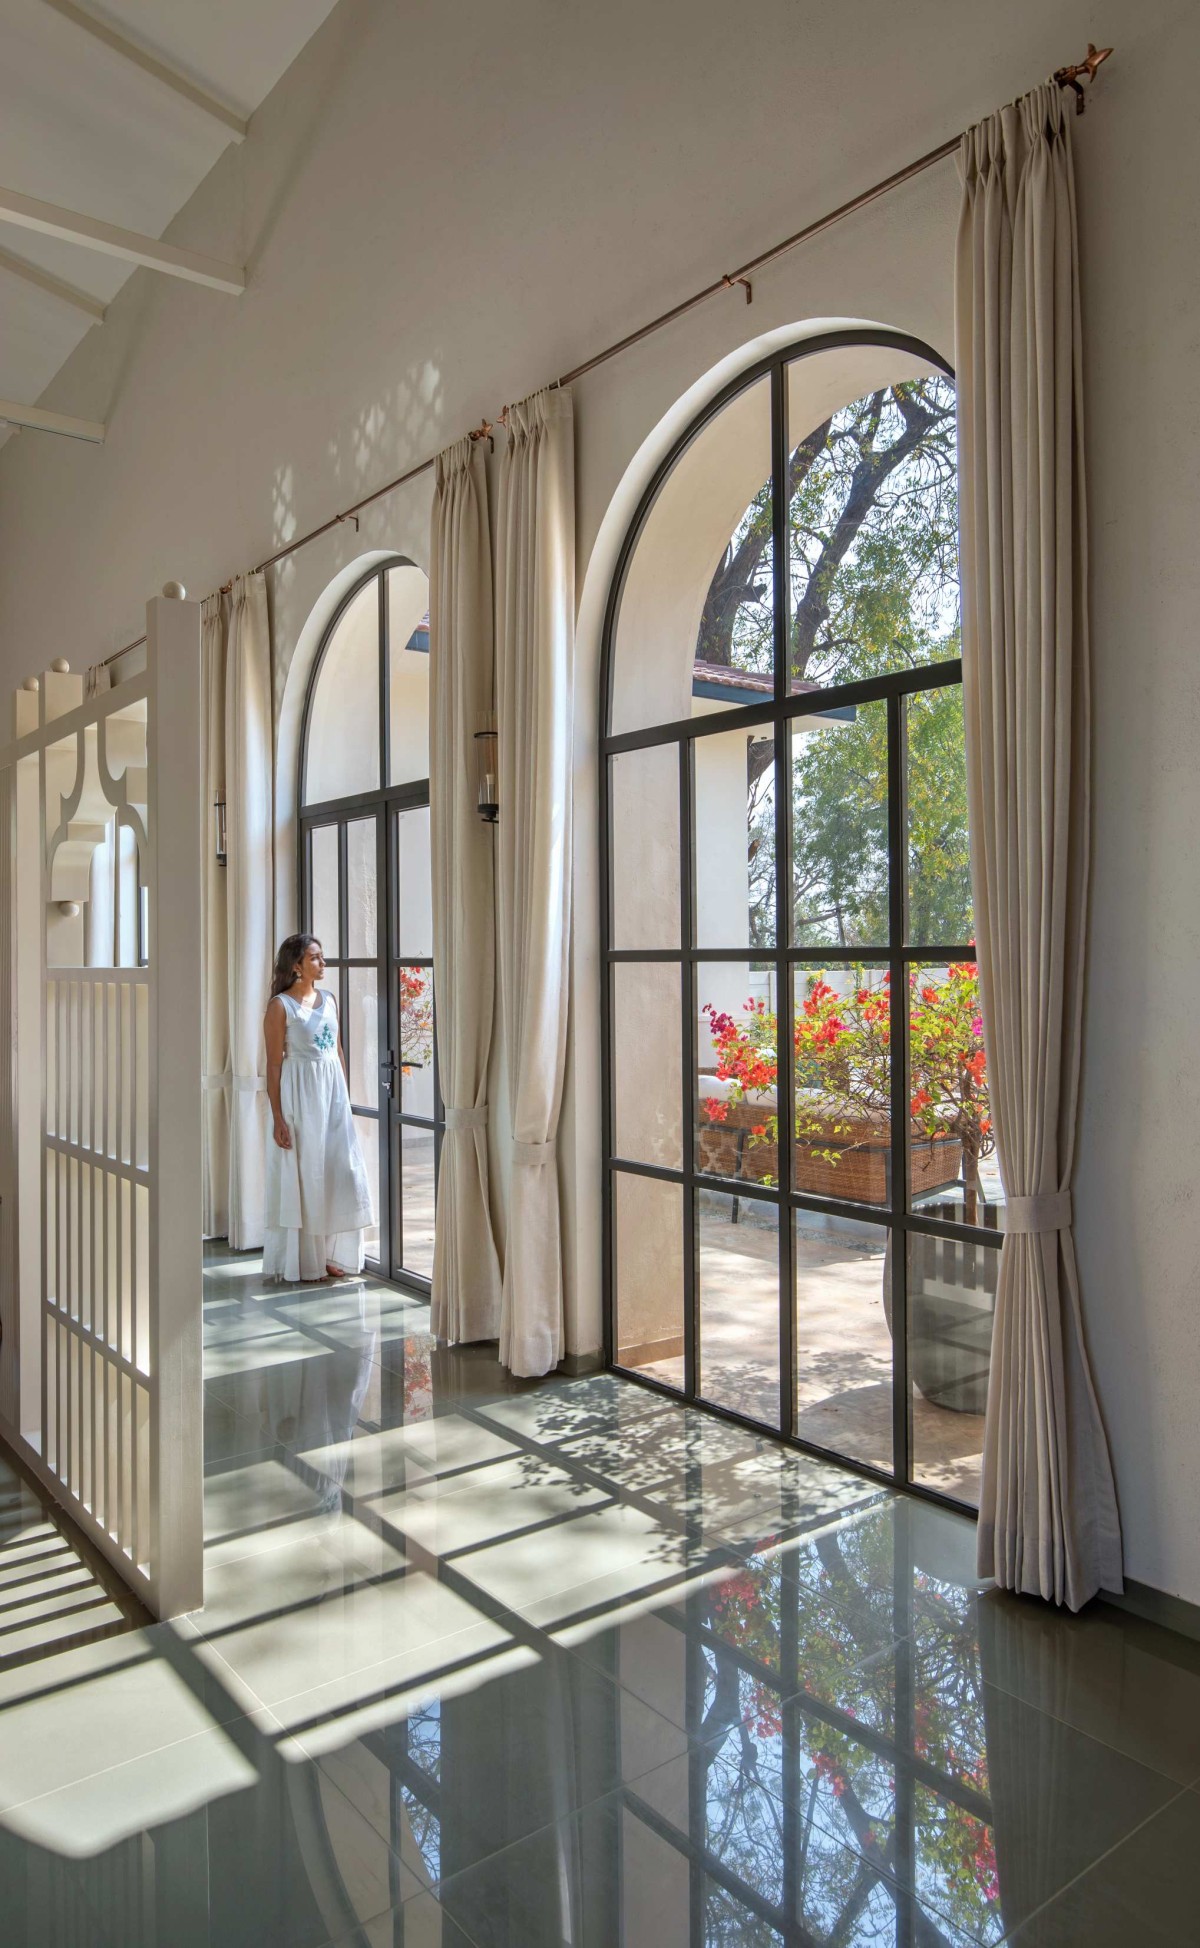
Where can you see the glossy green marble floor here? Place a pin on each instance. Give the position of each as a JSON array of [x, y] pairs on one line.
[[490, 1665]]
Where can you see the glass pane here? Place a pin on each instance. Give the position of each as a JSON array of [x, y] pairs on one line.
[[735, 839], [647, 1082], [343, 712], [415, 1053], [951, 1302], [694, 630], [872, 516], [840, 828], [325, 889], [842, 1036], [416, 1199], [648, 1285], [739, 1303], [368, 1136], [361, 891], [645, 847], [940, 912], [952, 1169], [843, 1337], [415, 901], [408, 687], [736, 1035], [361, 1037]]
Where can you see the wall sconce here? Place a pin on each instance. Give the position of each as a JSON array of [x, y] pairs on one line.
[[486, 757], [219, 811]]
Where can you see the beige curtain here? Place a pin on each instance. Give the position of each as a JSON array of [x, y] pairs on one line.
[[466, 1269], [535, 654], [250, 895], [213, 931], [1048, 1516]]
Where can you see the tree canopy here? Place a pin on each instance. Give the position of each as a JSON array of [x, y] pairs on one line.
[[873, 587]]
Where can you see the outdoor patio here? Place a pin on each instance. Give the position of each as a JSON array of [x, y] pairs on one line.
[[844, 1400]]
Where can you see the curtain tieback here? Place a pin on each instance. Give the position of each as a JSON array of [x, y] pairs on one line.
[[533, 1154], [1026, 1216], [246, 1084], [467, 1119]]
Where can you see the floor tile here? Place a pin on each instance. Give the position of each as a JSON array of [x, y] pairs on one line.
[[305, 1637], [371, 1464], [548, 1734], [1143, 1892], [569, 1409], [214, 1840], [423, 1923], [501, 1504], [1129, 1683], [599, 1556], [619, 1873], [64, 1719]]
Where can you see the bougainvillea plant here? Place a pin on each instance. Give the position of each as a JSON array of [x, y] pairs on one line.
[[842, 1045], [416, 1019]]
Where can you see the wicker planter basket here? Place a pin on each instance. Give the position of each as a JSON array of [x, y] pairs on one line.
[[728, 1149]]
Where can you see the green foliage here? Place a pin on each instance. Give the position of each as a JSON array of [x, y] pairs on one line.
[[872, 523]]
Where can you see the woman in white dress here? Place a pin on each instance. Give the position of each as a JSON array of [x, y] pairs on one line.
[[318, 1197]]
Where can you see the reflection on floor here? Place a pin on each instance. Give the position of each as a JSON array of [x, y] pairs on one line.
[[489, 1665], [844, 1344]]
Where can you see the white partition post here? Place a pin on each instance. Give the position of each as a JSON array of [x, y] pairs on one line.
[[101, 826]]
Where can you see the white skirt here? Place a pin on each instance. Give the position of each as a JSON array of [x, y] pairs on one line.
[[318, 1196]]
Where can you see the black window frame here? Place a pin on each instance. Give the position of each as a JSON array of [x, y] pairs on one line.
[[898, 1219]]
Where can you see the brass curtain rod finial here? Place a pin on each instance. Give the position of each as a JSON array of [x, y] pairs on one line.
[[1071, 77], [484, 431], [731, 282]]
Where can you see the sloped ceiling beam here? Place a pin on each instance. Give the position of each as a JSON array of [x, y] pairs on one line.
[[40, 421], [53, 221], [140, 57], [53, 286]]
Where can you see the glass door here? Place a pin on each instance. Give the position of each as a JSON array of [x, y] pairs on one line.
[[345, 872], [365, 892], [414, 1099]]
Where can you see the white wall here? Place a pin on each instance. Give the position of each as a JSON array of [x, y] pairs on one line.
[[443, 207]]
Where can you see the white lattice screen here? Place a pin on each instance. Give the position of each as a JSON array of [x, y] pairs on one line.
[[100, 1378]]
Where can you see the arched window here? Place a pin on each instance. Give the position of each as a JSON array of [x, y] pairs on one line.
[[801, 1206], [365, 890]]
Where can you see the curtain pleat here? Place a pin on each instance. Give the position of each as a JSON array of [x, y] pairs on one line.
[[250, 895], [535, 653], [1048, 1515], [216, 1079], [466, 1267]]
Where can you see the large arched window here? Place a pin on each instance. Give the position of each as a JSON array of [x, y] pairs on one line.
[[801, 1207], [365, 890]]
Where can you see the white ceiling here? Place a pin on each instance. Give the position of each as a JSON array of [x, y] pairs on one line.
[[83, 127]]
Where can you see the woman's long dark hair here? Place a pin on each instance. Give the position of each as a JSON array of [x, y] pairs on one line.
[[288, 959]]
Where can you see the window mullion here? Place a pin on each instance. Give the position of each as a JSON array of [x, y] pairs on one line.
[[897, 929], [687, 1000], [785, 1119]]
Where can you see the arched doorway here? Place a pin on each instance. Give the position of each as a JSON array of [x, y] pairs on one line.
[[801, 1218], [365, 890]]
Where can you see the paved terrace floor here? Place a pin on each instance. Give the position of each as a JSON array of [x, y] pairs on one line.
[[489, 1665], [844, 1348]]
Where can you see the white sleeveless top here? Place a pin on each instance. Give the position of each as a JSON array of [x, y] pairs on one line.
[[311, 1033]]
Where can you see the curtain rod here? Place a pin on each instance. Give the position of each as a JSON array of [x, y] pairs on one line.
[[1067, 77]]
